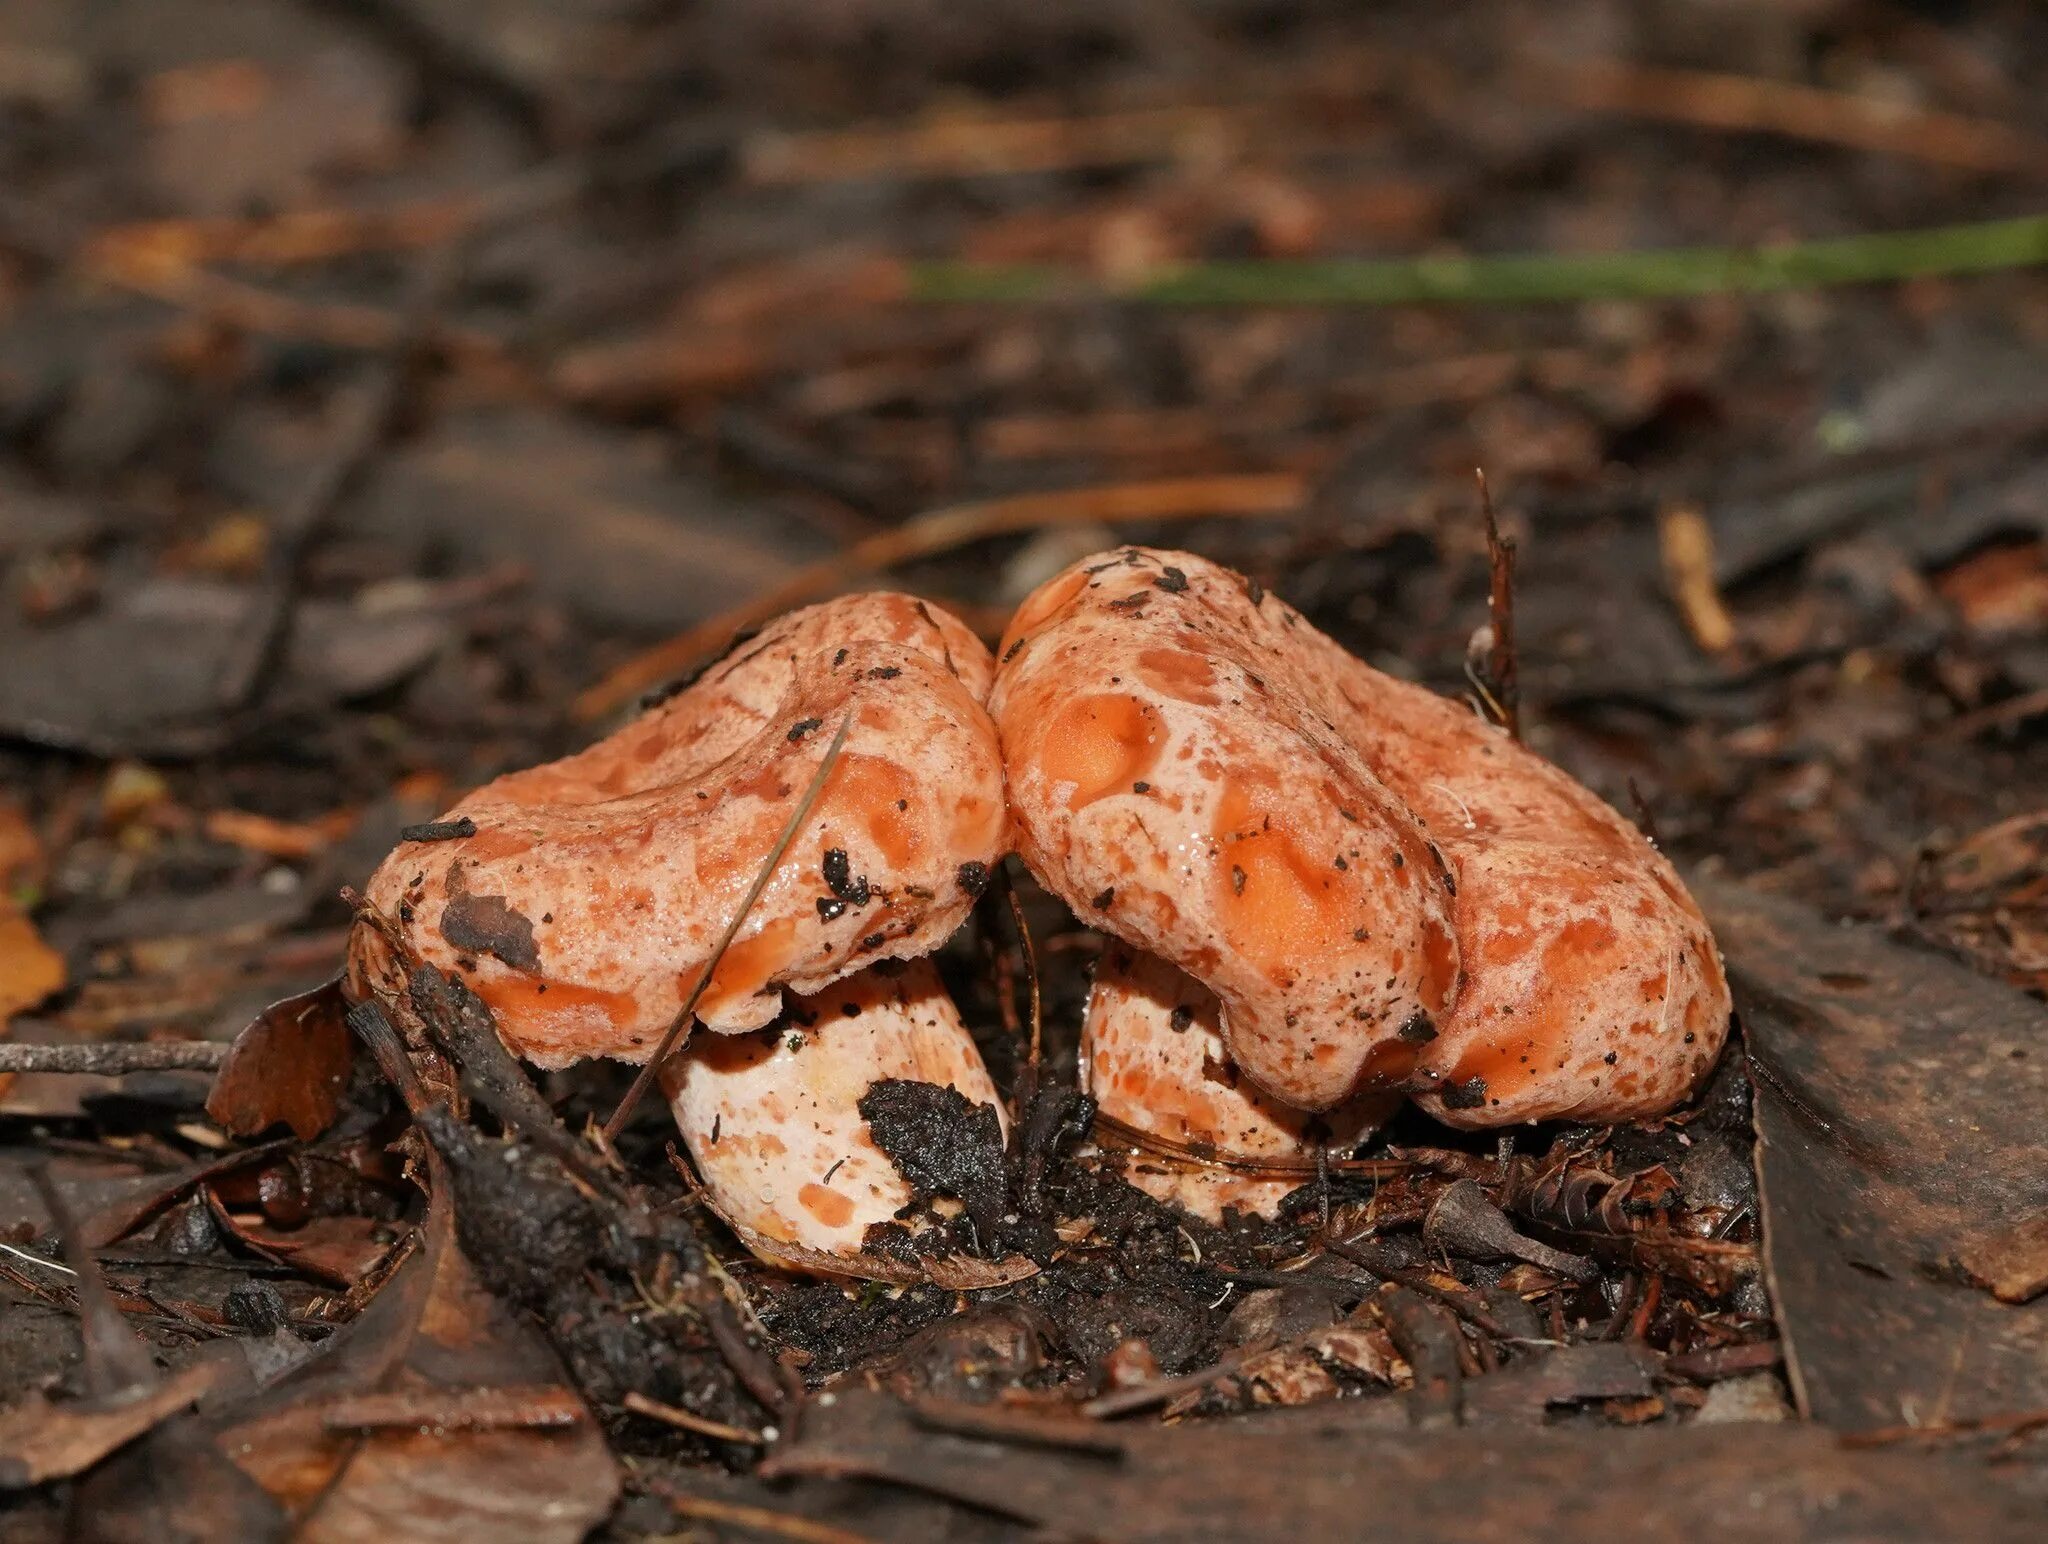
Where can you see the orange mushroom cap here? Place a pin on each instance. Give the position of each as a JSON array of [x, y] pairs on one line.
[[1589, 985], [594, 890], [1175, 777]]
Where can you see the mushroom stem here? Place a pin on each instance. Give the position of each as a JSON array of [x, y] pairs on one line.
[[773, 1125], [1153, 1059]]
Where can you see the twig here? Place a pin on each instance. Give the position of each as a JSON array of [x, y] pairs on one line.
[[1300, 1169], [114, 1358], [958, 146], [1999, 715], [369, 419], [1716, 1362], [1520, 278], [1462, 1301], [993, 1423], [760, 1519], [1030, 970], [1503, 668], [690, 1421], [38, 1260], [1242, 495], [1124, 1401], [766, 872], [511, 1407], [372, 417], [116, 1059], [1748, 104]]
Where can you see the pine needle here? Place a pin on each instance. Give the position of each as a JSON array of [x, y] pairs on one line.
[[1516, 279], [688, 1011]]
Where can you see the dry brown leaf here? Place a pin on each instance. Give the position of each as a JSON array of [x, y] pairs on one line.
[[434, 1335], [30, 970], [42, 1441], [21, 850], [289, 1066]]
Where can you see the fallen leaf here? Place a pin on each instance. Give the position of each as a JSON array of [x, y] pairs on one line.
[[1898, 1108], [41, 1440], [30, 970], [340, 1251], [432, 1338], [290, 1066]]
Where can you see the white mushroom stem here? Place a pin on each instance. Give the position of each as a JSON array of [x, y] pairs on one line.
[[773, 1123], [1153, 1058]]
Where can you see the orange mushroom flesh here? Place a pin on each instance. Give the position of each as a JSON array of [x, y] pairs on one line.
[[1578, 979], [1152, 1057], [593, 891], [774, 1128]]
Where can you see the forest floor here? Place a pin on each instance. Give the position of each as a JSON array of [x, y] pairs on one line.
[[391, 393]]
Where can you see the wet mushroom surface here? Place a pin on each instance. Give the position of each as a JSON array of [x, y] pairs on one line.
[[1330, 890], [392, 396]]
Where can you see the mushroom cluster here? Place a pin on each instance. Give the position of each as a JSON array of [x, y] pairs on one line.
[[1327, 890]]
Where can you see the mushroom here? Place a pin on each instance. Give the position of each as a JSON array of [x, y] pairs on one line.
[[584, 900], [1176, 778], [1179, 744], [1152, 1058], [775, 1130]]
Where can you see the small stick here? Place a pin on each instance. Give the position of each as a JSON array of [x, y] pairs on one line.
[[513, 1407], [690, 1421], [1502, 669], [301, 525], [1109, 1406], [994, 1423], [1463, 1302], [1239, 495], [688, 1011], [114, 1358], [1302, 1169], [116, 1059], [1030, 969], [760, 1519], [1716, 1362]]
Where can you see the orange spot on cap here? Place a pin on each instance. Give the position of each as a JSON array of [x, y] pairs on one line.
[[828, 1206], [1178, 674], [1278, 907], [1101, 745], [867, 791]]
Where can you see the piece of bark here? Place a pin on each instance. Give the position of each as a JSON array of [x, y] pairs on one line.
[[1329, 1470], [1561, 1376], [1899, 1100], [2011, 1263]]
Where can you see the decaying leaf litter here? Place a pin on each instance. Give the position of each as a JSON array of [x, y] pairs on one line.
[[336, 472]]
